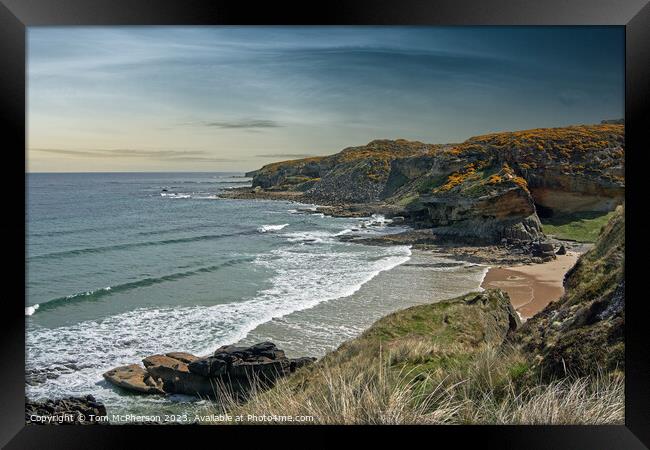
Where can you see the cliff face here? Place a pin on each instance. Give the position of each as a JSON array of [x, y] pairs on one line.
[[489, 187], [566, 169], [584, 330], [287, 173], [354, 175]]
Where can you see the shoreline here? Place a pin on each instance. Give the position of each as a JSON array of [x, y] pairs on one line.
[[425, 277], [531, 287], [463, 248]]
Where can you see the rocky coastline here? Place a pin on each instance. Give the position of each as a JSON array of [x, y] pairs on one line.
[[472, 361], [70, 410], [230, 370], [504, 252]]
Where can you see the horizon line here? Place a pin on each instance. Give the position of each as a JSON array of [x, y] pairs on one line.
[[143, 171]]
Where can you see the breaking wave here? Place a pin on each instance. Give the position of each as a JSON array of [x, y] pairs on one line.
[[268, 228]]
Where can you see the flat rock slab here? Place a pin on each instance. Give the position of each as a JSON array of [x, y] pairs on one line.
[[134, 378], [164, 362], [182, 356]]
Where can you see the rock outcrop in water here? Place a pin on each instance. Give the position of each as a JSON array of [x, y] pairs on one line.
[[229, 367], [489, 187]]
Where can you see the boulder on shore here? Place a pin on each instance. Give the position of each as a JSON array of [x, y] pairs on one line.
[[230, 367], [543, 249], [134, 378]]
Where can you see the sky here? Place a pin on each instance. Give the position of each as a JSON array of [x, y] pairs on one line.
[[113, 99]]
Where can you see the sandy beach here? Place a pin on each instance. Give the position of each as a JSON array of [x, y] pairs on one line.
[[531, 287]]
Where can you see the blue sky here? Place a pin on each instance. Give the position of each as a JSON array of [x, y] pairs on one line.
[[235, 98]]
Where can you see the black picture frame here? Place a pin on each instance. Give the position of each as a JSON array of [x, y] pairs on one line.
[[634, 15]]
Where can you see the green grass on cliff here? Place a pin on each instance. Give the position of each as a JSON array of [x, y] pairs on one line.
[[581, 227]]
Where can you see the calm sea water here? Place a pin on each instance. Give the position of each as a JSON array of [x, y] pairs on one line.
[[121, 266]]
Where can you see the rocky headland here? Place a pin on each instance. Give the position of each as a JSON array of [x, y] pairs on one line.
[[486, 190], [480, 200]]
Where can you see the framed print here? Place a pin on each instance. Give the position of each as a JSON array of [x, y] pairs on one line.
[[364, 215]]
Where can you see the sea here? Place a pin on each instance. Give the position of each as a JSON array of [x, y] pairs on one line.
[[121, 266]]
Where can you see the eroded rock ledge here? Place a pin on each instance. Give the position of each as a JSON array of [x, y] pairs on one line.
[[229, 367]]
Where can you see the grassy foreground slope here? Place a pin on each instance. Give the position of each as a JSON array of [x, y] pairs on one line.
[[468, 360]]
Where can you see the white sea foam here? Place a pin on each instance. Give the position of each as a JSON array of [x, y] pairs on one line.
[[192, 195], [310, 237], [484, 273], [268, 228], [174, 195], [326, 325], [29, 310], [306, 209], [376, 220], [205, 197]]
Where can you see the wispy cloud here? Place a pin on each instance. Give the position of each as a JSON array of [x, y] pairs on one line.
[[285, 155], [168, 155], [201, 159], [244, 123]]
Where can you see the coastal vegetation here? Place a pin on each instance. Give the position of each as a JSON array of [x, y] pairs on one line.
[[555, 141], [488, 391]]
